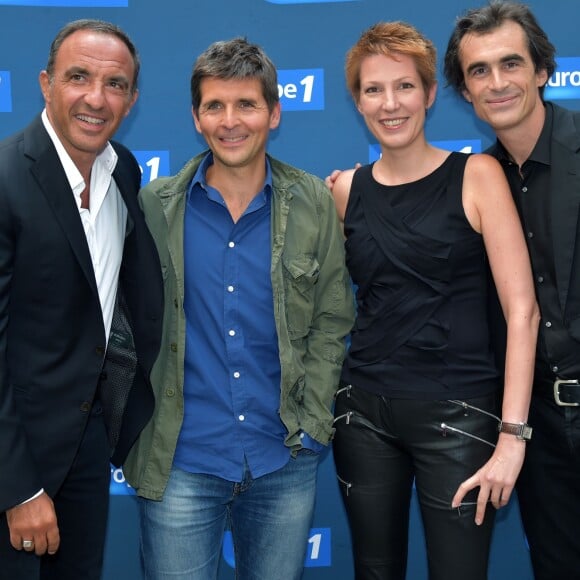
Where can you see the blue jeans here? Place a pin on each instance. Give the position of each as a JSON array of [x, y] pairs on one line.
[[270, 517]]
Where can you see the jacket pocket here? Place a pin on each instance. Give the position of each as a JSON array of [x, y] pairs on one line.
[[300, 277]]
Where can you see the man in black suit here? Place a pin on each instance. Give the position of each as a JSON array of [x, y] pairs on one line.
[[500, 59], [80, 309]]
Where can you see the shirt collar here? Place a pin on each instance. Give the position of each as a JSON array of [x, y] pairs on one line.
[[106, 160], [541, 151], [200, 180]]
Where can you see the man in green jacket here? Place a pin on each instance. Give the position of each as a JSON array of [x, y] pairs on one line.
[[258, 304]]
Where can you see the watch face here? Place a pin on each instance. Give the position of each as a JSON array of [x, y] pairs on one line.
[[526, 434]]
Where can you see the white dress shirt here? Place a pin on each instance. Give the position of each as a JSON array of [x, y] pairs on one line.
[[104, 222]]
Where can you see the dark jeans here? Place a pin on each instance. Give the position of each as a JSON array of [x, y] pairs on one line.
[[81, 506], [549, 489], [381, 446]]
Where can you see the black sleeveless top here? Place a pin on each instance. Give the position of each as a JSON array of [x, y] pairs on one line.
[[420, 270]]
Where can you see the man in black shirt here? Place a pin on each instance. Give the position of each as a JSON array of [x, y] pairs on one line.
[[499, 59]]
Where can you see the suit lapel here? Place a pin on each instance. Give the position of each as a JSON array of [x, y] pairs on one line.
[[54, 185], [124, 182], [565, 192]]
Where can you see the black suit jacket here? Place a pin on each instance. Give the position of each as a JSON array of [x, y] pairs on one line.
[[565, 218], [565, 196], [52, 338]]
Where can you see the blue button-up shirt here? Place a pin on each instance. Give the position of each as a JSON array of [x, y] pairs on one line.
[[232, 367]]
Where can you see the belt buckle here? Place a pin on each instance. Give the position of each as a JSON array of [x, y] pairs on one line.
[[557, 384]]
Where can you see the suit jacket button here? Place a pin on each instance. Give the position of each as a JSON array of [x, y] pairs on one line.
[[100, 350], [85, 407]]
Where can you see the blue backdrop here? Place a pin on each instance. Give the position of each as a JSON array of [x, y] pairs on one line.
[[320, 130]]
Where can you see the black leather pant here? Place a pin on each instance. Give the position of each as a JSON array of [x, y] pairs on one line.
[[381, 446]]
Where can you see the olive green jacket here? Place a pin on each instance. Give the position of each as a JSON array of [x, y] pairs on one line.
[[313, 309]]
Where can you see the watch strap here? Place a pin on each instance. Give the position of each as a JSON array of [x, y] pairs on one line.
[[521, 430]]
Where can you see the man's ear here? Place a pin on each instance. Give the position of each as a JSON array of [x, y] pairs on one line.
[[541, 77], [195, 119], [44, 82], [275, 115], [133, 100]]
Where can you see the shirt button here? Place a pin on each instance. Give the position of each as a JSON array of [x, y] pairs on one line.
[[555, 369], [232, 333], [524, 189], [231, 244], [236, 375], [241, 418], [530, 234], [173, 347], [170, 392], [548, 324], [230, 288], [540, 279]]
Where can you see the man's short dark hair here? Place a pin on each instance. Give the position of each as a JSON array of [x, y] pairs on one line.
[[487, 19], [101, 27], [235, 59]]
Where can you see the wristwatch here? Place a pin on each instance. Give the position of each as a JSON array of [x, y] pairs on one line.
[[521, 430]]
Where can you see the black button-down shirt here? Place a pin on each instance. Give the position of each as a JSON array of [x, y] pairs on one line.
[[558, 353]]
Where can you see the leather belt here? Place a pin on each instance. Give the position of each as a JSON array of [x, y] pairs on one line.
[[567, 392]]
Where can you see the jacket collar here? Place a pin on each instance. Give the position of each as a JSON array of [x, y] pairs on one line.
[[53, 183]]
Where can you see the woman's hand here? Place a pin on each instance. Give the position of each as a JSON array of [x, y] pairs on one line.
[[497, 478]]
